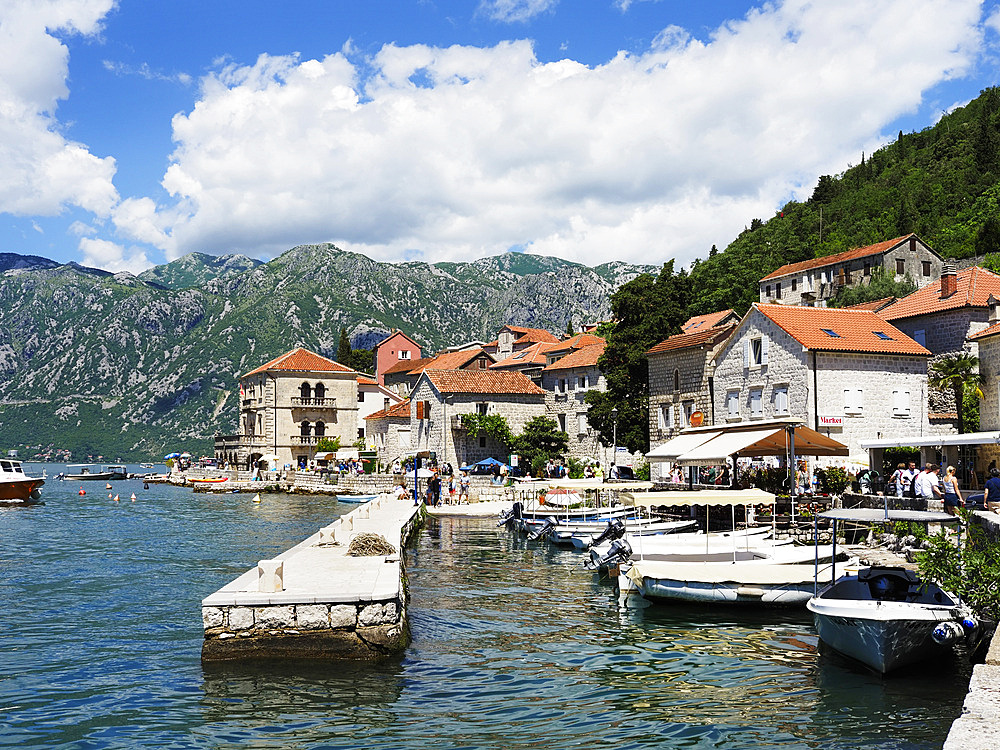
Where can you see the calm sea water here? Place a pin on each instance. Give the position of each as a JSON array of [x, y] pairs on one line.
[[514, 646]]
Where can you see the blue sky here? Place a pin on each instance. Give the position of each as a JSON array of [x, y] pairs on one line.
[[132, 133]]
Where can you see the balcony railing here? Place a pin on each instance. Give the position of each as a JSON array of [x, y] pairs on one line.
[[320, 402], [305, 439]]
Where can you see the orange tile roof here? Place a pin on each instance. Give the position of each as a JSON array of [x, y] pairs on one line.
[[576, 342], [585, 356], [697, 338], [705, 321], [991, 331], [874, 305], [533, 355], [365, 380], [407, 365], [402, 409], [532, 335], [855, 330], [826, 260], [483, 381], [974, 285], [300, 360], [395, 332], [450, 360]]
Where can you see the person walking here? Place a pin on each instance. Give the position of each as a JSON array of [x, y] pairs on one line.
[[463, 488], [991, 495], [952, 493], [927, 483]]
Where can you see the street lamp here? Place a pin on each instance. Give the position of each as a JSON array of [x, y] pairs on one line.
[[614, 450]]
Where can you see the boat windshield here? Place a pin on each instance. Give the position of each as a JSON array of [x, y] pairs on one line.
[[12, 467]]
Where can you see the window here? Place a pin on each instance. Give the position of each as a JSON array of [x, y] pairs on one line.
[[733, 403], [847, 275], [670, 416], [582, 426], [795, 284], [925, 268], [361, 397], [920, 337], [423, 409], [852, 400], [777, 290], [677, 380], [781, 399], [320, 429], [756, 402], [755, 352], [688, 411], [404, 353], [305, 390], [562, 385], [581, 381], [481, 409], [562, 422], [900, 403], [482, 441], [883, 335], [319, 391], [868, 269], [304, 429], [661, 417], [484, 363], [900, 266], [767, 290], [830, 332]]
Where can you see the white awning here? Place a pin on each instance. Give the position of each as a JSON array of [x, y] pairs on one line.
[[723, 445], [917, 441], [700, 497], [596, 484], [671, 449]]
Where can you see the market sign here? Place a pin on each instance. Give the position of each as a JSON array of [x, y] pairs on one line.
[[831, 421], [697, 418]]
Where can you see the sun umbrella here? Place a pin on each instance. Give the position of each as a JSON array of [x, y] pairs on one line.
[[171, 455]]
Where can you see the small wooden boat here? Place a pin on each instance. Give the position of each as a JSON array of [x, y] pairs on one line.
[[209, 480], [358, 499]]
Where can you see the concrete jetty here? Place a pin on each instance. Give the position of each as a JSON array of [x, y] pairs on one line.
[[315, 601]]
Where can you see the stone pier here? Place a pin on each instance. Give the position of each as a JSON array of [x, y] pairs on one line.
[[315, 601]]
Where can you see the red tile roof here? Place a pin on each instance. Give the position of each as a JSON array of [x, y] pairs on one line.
[[826, 260], [533, 355], [451, 360], [585, 356], [483, 381], [396, 332], [407, 365], [705, 321], [993, 330], [365, 380], [874, 305], [856, 330], [576, 342], [532, 335], [402, 409], [697, 338], [300, 360], [974, 285]]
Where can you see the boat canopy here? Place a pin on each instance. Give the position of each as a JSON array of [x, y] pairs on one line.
[[887, 515], [700, 497], [597, 484]]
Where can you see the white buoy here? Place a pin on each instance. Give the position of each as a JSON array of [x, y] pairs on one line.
[[133, 497], [256, 498], [116, 498]]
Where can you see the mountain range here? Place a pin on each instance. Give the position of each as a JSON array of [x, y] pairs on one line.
[[130, 367]]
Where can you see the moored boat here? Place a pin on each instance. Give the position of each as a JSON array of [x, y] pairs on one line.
[[117, 471], [16, 487], [85, 472]]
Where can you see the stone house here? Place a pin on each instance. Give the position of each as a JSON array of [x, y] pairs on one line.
[[944, 317], [402, 377], [396, 348], [533, 359], [567, 379], [848, 373], [372, 397], [813, 282], [442, 397], [680, 379], [710, 320], [388, 431], [512, 339], [287, 405]]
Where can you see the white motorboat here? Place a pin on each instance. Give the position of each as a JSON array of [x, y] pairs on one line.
[[84, 472], [16, 487], [886, 617]]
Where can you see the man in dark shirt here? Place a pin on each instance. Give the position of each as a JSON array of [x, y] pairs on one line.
[[991, 495]]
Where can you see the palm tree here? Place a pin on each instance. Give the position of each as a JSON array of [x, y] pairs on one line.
[[958, 373]]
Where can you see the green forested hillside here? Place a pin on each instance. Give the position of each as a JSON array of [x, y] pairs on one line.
[[942, 183]]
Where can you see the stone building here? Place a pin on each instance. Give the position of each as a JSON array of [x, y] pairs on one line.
[[533, 359], [848, 373], [287, 406], [813, 282], [512, 339], [567, 379], [372, 397], [396, 348], [944, 317], [441, 397], [388, 432], [710, 320], [680, 379], [402, 377]]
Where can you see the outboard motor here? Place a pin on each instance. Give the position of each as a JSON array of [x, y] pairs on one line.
[[507, 517], [547, 527], [619, 552], [614, 530]]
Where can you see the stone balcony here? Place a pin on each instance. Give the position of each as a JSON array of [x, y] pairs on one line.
[[322, 403]]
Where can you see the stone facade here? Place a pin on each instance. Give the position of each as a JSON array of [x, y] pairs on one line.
[[863, 396], [389, 436], [813, 286], [564, 402]]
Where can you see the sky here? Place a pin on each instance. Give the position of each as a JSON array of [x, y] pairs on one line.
[[134, 132]]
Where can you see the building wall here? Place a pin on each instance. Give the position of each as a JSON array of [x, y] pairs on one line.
[[824, 281], [372, 398], [383, 436], [388, 353], [564, 402], [989, 368]]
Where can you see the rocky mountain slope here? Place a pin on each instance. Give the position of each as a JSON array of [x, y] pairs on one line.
[[125, 366]]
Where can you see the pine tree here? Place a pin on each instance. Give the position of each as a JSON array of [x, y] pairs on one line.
[[344, 349]]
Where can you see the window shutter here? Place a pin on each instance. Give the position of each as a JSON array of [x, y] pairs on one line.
[[420, 409], [746, 353], [763, 349]]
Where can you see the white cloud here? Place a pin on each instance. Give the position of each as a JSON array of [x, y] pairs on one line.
[[460, 152], [42, 171], [513, 11], [112, 257]]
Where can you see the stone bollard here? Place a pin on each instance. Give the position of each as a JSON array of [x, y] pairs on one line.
[[328, 534], [364, 511], [270, 576], [343, 530]]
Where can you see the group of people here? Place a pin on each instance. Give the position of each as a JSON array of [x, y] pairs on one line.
[[928, 484], [457, 488]]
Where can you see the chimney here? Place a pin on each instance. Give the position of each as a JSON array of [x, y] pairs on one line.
[[949, 279], [994, 305]]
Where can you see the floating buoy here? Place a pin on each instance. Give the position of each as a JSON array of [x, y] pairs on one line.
[[116, 498], [81, 492], [107, 486], [256, 498], [145, 485], [133, 497]]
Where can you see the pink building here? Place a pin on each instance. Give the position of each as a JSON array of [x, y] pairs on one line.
[[397, 348]]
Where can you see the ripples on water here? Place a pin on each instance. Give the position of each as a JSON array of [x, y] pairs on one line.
[[514, 646]]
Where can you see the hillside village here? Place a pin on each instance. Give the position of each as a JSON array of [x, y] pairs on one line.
[[858, 375]]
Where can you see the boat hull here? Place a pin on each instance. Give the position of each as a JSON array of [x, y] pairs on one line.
[[20, 491], [744, 584], [106, 476]]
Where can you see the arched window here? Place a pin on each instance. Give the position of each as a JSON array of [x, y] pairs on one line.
[[319, 391], [319, 430], [677, 380], [305, 391], [304, 429]]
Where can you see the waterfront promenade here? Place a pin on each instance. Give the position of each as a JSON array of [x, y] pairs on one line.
[[317, 601]]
